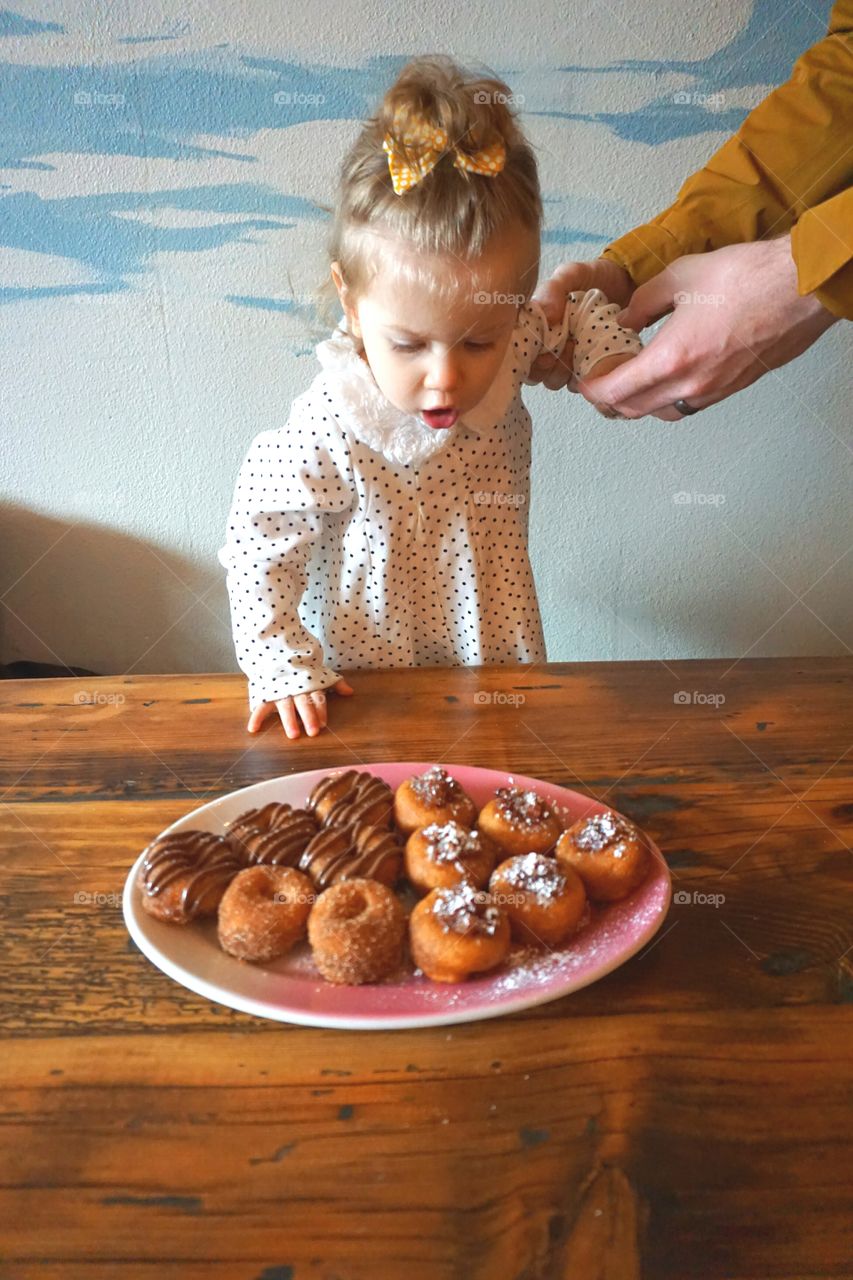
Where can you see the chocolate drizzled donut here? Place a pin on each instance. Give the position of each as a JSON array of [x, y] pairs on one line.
[[184, 875], [348, 853], [271, 816], [351, 797], [283, 845]]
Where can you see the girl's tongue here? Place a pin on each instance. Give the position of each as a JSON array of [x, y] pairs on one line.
[[439, 417]]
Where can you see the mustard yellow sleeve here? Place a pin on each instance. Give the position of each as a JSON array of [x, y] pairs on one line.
[[791, 155], [822, 247]]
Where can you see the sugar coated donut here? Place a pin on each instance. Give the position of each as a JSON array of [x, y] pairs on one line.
[[264, 912], [185, 874], [442, 854], [342, 799], [544, 901], [520, 821], [356, 929], [433, 796], [609, 854], [456, 932]]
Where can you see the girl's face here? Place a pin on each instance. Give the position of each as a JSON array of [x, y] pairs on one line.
[[434, 360]]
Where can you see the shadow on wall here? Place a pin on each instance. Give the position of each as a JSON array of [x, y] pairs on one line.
[[116, 594]]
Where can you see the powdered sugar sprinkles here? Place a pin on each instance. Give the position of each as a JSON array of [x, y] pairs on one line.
[[536, 874], [449, 841], [601, 830]]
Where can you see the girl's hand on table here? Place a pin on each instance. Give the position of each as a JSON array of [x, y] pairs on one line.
[[555, 372], [310, 708]]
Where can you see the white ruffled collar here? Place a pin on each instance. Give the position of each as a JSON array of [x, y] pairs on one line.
[[400, 437]]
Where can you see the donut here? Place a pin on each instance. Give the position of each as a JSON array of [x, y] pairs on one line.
[[430, 797], [544, 900], [520, 821], [443, 854], [281, 845], [342, 799], [264, 912], [609, 854], [184, 875], [360, 852], [456, 932], [356, 930], [268, 818]]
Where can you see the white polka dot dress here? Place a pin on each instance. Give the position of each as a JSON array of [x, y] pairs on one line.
[[361, 537]]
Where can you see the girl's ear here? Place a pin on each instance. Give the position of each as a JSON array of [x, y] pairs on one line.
[[345, 296]]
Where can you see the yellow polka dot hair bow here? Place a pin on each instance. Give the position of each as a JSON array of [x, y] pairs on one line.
[[430, 143]]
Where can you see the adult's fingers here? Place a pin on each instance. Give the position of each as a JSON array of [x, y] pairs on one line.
[[650, 301], [555, 372], [635, 388], [551, 293]]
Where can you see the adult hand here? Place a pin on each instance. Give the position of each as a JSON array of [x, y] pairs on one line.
[[554, 372], [736, 314], [309, 707]]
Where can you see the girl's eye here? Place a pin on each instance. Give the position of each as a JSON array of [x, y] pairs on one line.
[[472, 346]]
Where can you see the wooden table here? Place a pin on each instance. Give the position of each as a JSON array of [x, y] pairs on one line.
[[687, 1116]]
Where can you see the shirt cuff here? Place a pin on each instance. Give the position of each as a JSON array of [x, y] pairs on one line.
[[289, 684], [822, 247], [645, 251]]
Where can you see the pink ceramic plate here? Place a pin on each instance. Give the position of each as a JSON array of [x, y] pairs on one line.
[[291, 990]]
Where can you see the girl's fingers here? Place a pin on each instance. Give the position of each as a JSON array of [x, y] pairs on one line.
[[344, 687], [289, 718], [310, 711], [259, 715], [316, 699]]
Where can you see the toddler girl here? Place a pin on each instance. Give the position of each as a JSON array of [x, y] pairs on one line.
[[385, 524]]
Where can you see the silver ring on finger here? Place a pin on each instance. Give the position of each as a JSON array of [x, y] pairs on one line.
[[683, 407]]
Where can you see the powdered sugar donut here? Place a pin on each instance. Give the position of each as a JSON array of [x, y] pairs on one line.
[[456, 932], [433, 796], [520, 821], [443, 854], [609, 854], [544, 901]]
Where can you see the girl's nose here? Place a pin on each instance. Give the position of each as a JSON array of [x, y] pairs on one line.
[[442, 374]]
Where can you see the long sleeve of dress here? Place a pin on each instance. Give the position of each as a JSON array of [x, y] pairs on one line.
[[290, 480], [589, 321], [789, 167]]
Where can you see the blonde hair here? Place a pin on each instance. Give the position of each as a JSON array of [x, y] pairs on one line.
[[450, 211]]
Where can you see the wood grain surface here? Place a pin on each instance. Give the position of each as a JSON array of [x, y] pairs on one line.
[[688, 1116]]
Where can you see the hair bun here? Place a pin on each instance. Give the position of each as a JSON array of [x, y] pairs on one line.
[[465, 111]]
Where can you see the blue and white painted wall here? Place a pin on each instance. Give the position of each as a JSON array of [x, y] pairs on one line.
[[163, 172]]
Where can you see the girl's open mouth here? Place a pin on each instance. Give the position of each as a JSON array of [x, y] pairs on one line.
[[439, 417]]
